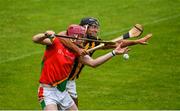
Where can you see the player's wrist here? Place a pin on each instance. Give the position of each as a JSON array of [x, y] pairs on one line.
[[137, 42], [49, 35], [126, 35], [113, 53], [45, 35]]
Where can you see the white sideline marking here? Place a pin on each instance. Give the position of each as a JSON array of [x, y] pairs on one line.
[[162, 19], [20, 57], [148, 23], [105, 34]]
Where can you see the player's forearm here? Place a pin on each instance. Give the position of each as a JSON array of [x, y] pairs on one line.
[[67, 43], [108, 47], [41, 39], [102, 59], [98, 61], [126, 43]]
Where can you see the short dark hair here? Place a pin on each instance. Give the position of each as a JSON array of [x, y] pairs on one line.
[[89, 21]]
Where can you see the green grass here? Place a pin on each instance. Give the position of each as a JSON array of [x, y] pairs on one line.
[[148, 80]]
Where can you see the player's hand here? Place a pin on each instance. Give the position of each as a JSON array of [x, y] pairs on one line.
[[49, 34], [119, 50], [144, 40], [82, 52]]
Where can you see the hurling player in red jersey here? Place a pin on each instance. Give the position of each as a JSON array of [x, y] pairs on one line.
[[57, 64]]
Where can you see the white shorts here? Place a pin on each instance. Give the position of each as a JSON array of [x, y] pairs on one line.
[[71, 88], [52, 95]]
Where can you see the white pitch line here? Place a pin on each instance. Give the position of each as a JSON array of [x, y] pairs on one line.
[[148, 23], [105, 34], [20, 57], [162, 19]]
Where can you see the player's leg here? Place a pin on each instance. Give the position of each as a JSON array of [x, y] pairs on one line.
[[51, 107], [65, 101], [71, 89], [47, 98], [73, 107], [75, 100]]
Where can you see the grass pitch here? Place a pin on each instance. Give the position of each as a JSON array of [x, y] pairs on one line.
[[148, 80]]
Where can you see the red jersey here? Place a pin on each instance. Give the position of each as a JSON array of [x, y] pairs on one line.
[[57, 63]]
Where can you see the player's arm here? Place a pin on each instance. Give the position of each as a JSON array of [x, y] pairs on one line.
[[142, 41], [135, 31], [87, 60], [46, 39], [126, 43], [43, 38], [68, 43]]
